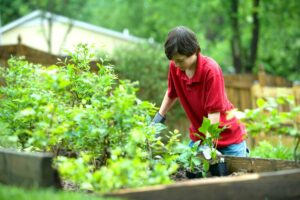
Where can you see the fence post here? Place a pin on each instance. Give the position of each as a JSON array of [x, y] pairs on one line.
[[256, 92], [296, 92], [262, 77]]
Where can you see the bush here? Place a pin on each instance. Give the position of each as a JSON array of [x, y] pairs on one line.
[[145, 64], [267, 150], [148, 65], [100, 133], [268, 118], [95, 118]]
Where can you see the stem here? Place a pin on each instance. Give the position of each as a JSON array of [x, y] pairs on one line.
[[105, 154], [50, 126], [296, 147], [75, 98], [149, 149]]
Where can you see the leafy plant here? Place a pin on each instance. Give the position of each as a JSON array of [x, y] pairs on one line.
[[147, 65], [269, 119], [190, 157], [267, 150], [143, 161], [190, 160], [212, 134], [94, 122]]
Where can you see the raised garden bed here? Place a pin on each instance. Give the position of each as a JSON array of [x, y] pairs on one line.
[[27, 169], [284, 184], [250, 178]]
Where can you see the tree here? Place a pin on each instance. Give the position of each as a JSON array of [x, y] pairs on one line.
[[244, 59], [240, 35]]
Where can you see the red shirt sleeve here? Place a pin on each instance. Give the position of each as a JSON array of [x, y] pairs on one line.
[[171, 85], [215, 100]]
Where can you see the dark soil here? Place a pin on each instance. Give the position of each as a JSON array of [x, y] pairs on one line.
[[180, 175], [70, 186]]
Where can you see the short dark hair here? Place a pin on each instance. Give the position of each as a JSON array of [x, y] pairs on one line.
[[181, 40]]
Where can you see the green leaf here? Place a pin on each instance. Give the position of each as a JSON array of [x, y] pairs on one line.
[[205, 125], [260, 103], [196, 161]]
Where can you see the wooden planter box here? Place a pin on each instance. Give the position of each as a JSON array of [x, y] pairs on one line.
[[263, 179], [27, 169]]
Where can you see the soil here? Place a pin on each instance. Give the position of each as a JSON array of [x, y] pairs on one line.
[[70, 186], [180, 175]]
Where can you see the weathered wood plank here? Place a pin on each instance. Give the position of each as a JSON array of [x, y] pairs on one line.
[[27, 169], [269, 185], [238, 84], [241, 164]]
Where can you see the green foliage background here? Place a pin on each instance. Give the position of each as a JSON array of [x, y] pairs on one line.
[[148, 65], [279, 36]]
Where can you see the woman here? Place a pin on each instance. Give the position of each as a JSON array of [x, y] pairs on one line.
[[197, 81]]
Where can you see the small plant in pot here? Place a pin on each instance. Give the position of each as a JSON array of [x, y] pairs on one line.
[[193, 165], [217, 166], [201, 157]]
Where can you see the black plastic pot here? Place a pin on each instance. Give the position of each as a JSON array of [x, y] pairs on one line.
[[219, 169], [192, 175]]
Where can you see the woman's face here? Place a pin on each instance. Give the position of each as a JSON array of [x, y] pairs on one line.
[[183, 62]]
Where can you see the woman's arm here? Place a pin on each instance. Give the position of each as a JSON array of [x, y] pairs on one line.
[[166, 104]]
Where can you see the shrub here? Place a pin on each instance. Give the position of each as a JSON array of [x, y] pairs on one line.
[[100, 133], [267, 150], [148, 65], [95, 118], [267, 118]]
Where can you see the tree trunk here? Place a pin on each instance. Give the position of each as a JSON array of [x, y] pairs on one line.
[[235, 38], [255, 36]]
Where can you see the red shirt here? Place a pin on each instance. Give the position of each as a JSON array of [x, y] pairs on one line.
[[202, 94]]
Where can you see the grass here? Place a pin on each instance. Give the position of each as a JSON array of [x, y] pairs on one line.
[[12, 192]]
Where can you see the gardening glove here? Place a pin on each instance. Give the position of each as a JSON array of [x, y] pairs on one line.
[[158, 118], [157, 122], [206, 151]]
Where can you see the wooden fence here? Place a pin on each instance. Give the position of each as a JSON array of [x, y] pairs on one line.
[[239, 87], [32, 55]]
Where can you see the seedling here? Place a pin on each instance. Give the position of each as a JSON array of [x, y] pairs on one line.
[[197, 158]]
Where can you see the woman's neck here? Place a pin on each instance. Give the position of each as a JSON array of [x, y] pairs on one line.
[[191, 71]]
